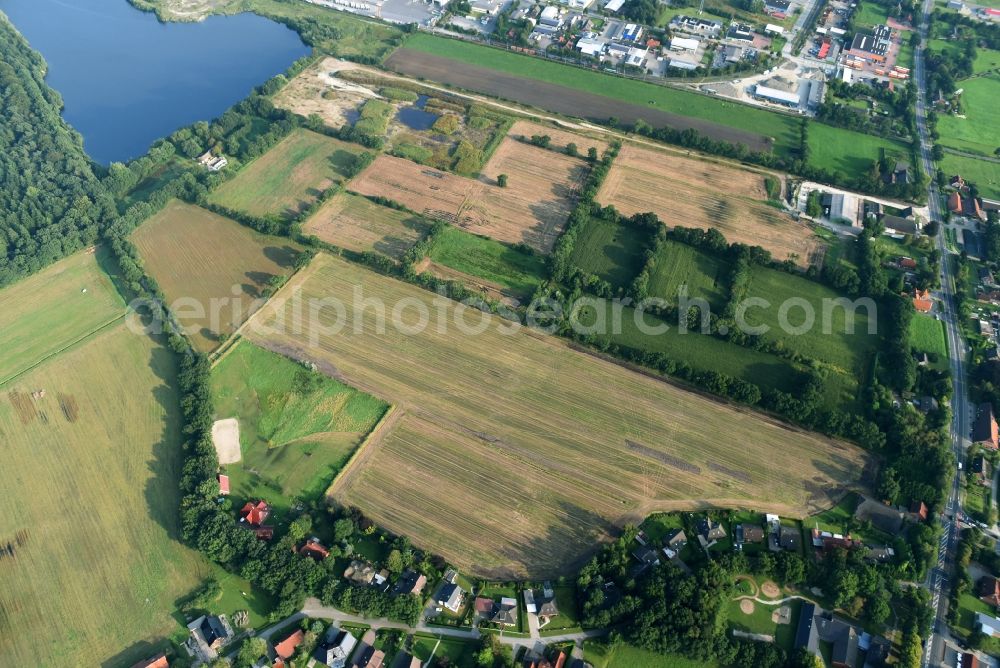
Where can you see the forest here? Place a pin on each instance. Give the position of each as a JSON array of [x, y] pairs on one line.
[[51, 201]]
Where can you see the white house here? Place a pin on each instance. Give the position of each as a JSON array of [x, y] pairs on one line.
[[773, 29], [989, 625], [591, 46], [684, 44]]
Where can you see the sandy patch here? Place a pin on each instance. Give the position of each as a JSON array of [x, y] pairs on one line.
[[770, 589], [746, 606], [226, 439]]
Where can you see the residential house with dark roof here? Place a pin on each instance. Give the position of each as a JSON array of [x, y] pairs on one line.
[[410, 582], [676, 539], [844, 640], [208, 634], [918, 511], [548, 607], [336, 648], [988, 590], [984, 430], [370, 658], [709, 531], [882, 517], [505, 612], [450, 596], [646, 556], [750, 533], [790, 538]]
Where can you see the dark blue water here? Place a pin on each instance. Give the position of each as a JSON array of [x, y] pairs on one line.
[[414, 116], [128, 80]]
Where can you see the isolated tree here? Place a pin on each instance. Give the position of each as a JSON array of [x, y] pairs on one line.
[[571, 149], [592, 153], [502, 180]]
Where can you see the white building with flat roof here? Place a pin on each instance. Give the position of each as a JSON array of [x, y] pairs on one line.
[[684, 44]]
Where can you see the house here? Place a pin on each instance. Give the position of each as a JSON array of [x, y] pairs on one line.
[[336, 647], [918, 511], [988, 590], [772, 29], [732, 53], [591, 46], [223, 484], [550, 17], [880, 554], [843, 638], [907, 263], [990, 626], [883, 517], [898, 224], [967, 660], [158, 661], [790, 538], [922, 301], [696, 26], [981, 469], [548, 608], [709, 532], [286, 648], [646, 556], [740, 32], [450, 596], [208, 634], [984, 430], [505, 613], [776, 6], [484, 606], [805, 632], [676, 539], [315, 549], [253, 515], [684, 44], [957, 182], [370, 658], [360, 572], [410, 582], [750, 533], [529, 601], [926, 404]]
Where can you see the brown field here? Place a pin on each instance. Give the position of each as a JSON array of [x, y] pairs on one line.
[[695, 193], [532, 209], [354, 223], [560, 138], [320, 90], [507, 461], [210, 262]]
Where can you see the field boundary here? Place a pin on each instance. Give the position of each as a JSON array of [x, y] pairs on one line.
[[72, 344], [363, 452]]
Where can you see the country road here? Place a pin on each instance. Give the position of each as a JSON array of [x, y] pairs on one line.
[[937, 579]]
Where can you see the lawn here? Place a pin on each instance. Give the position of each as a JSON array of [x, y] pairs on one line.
[[977, 501], [568, 617], [515, 269], [626, 656], [759, 621], [508, 398], [979, 131], [784, 128], [460, 653], [297, 428], [927, 335], [213, 271], [869, 14], [289, 177], [847, 152], [91, 474], [60, 306], [611, 251], [700, 275], [843, 354], [837, 519], [699, 351], [986, 175]]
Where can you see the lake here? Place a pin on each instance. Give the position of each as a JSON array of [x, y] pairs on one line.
[[127, 80]]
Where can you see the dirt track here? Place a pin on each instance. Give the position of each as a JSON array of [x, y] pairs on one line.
[[559, 99]]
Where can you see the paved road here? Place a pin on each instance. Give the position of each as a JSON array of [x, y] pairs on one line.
[[937, 579]]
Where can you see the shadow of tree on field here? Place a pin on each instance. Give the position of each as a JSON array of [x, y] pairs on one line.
[[283, 256]]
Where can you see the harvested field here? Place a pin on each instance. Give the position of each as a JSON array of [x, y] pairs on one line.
[[506, 460], [696, 193], [90, 511], [573, 101], [216, 266], [532, 209], [58, 307], [354, 223], [289, 177], [560, 138]]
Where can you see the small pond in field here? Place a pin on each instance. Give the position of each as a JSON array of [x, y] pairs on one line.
[[416, 117]]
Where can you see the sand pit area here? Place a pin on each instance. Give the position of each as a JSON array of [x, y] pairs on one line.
[[226, 439]]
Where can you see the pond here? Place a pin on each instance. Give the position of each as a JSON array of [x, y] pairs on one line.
[[127, 80], [415, 117]]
